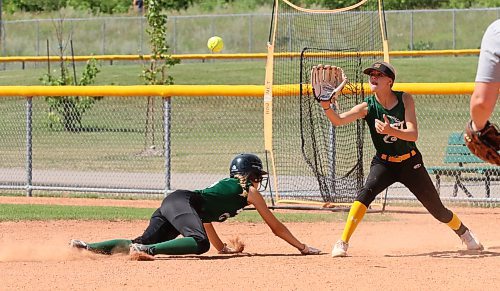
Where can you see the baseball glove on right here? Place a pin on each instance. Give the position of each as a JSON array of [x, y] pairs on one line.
[[327, 82], [484, 143]]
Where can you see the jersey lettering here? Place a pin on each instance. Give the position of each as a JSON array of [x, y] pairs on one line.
[[394, 123]]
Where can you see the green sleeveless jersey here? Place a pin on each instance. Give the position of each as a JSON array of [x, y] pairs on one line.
[[386, 144], [222, 200]]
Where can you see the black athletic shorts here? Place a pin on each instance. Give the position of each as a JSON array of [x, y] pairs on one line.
[[177, 215]]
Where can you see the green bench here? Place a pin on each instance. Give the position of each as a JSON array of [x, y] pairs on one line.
[[466, 163]]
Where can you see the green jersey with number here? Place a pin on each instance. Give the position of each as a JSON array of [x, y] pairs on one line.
[[222, 200], [386, 144]]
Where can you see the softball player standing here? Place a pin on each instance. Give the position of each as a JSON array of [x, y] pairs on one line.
[[485, 95], [391, 118], [191, 213]]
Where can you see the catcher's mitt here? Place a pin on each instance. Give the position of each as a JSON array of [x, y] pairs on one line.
[[327, 82], [484, 143]]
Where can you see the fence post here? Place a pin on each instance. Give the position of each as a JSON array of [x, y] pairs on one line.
[[103, 28], [411, 30], [29, 146], [167, 118], [2, 39], [174, 49], [290, 33], [250, 33], [141, 20], [37, 39], [454, 28]]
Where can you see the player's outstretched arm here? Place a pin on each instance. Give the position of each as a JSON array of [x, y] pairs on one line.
[[278, 228], [357, 112], [213, 237]]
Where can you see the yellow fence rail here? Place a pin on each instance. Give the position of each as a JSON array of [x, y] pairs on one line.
[[216, 90], [234, 56]]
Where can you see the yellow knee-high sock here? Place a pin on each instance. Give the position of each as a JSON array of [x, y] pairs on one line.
[[455, 222], [356, 213]]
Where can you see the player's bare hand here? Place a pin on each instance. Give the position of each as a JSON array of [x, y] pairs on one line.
[[237, 246], [383, 127], [310, 250]]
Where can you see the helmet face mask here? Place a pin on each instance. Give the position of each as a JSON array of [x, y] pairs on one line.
[[250, 166], [263, 183]]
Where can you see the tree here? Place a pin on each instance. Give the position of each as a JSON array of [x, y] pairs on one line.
[[388, 4], [68, 111], [461, 4], [156, 72], [403, 4]]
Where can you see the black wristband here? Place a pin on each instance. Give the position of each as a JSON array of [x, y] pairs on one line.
[[486, 125]]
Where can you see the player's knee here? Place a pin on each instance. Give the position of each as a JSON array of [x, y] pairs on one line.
[[365, 196], [138, 240], [444, 215], [203, 245]]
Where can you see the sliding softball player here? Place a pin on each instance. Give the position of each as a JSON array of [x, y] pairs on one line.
[[191, 213]]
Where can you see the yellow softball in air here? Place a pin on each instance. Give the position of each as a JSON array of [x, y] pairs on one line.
[[215, 44]]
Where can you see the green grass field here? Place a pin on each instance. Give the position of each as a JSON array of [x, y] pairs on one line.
[[19, 212], [409, 70]]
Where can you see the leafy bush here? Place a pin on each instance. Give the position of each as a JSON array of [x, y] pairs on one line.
[[123, 6], [96, 6], [36, 5], [68, 111], [422, 46]]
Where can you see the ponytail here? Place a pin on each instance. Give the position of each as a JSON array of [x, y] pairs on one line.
[[243, 183]]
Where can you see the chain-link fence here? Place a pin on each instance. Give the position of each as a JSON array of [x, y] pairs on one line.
[[154, 145], [126, 144], [242, 33], [438, 29], [457, 173]]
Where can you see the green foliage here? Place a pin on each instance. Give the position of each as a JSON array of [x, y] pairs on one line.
[[422, 46], [156, 73], [329, 3], [472, 3], [68, 112], [123, 6], [388, 4], [172, 4], [97, 6], [213, 5], [35, 5], [412, 4], [401, 4]]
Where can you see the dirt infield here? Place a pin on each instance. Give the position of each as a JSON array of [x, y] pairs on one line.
[[410, 251]]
